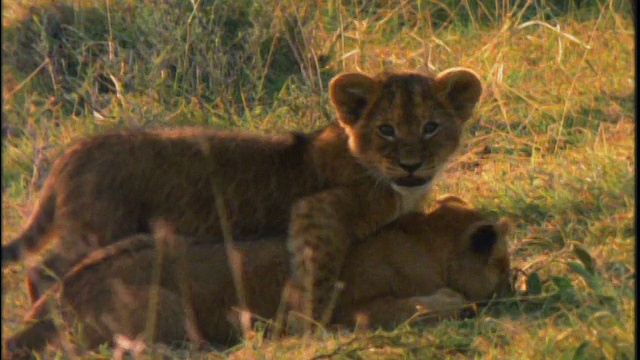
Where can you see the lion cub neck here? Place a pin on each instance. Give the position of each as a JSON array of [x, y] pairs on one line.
[[411, 199]]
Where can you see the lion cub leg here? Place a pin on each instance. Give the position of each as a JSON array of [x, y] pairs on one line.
[[388, 313], [323, 228]]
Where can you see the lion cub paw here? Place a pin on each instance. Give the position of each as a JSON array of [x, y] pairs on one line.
[[443, 304]]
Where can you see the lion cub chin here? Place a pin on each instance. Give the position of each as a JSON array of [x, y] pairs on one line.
[[430, 264]]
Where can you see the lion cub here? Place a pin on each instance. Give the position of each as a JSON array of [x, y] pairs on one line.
[[327, 189], [437, 261]]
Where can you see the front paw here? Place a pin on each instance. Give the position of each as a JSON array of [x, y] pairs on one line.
[[444, 298], [443, 304]]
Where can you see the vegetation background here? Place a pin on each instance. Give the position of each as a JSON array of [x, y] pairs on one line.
[[551, 144]]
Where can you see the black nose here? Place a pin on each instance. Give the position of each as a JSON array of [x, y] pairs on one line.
[[410, 168]]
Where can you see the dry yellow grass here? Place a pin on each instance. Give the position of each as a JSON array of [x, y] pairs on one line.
[[551, 145]]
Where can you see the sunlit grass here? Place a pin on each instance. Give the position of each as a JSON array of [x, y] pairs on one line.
[[551, 145]]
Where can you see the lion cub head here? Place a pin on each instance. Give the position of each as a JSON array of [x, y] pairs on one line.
[[405, 126], [478, 265]]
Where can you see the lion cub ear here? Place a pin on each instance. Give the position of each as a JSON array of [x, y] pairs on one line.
[[461, 89], [350, 94], [482, 239], [489, 239]]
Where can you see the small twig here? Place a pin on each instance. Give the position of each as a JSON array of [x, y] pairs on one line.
[[25, 81], [565, 110], [556, 29], [234, 257], [328, 311]]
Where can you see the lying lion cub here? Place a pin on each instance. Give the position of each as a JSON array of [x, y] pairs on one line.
[[447, 258]]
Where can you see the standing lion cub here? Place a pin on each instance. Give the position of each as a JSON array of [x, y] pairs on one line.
[[331, 188], [438, 261]]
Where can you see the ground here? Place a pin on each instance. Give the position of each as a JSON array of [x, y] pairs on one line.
[[551, 145]]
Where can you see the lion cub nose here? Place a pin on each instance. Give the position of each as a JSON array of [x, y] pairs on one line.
[[410, 168]]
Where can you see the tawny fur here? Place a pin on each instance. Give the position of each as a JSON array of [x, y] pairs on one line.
[[331, 188], [444, 259]]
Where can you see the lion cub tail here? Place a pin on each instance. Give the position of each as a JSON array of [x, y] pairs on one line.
[[37, 233]]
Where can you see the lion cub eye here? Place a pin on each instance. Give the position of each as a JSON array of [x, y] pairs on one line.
[[430, 128], [387, 131]]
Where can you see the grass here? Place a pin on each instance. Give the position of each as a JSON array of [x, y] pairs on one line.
[[551, 144]]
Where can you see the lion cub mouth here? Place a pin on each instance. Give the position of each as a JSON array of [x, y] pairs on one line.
[[411, 181]]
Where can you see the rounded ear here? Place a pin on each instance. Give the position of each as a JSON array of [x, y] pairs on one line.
[[350, 94], [461, 89], [489, 239], [483, 238]]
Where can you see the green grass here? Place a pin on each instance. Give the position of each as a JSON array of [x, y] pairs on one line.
[[551, 145]]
